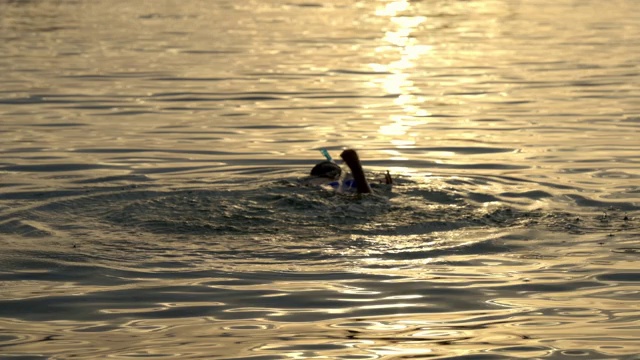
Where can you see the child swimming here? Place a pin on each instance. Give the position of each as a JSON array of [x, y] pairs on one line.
[[330, 170]]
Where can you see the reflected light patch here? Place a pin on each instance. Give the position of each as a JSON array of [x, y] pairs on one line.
[[400, 126], [415, 51], [401, 170], [404, 297], [394, 83], [393, 8], [408, 353], [391, 306], [392, 152], [408, 21], [398, 38], [380, 68], [404, 144], [404, 47], [445, 153], [394, 129]]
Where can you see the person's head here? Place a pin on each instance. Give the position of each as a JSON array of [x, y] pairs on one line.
[[327, 169]]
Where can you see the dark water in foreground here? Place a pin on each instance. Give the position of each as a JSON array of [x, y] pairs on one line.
[[150, 203]]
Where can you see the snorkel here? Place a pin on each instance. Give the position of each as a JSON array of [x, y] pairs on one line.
[[326, 155], [330, 170]]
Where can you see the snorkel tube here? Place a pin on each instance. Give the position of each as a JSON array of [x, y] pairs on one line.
[[326, 155]]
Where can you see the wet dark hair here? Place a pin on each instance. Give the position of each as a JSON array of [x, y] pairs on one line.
[[326, 169]]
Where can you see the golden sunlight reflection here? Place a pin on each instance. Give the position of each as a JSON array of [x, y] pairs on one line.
[[401, 50], [392, 8], [386, 244]]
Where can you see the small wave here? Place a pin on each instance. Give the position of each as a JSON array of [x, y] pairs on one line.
[[287, 209]]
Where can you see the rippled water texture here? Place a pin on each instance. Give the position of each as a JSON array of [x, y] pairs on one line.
[[151, 203]]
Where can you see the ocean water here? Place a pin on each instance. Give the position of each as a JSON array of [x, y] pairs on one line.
[[151, 202]]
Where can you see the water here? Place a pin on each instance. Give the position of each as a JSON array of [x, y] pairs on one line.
[[150, 202]]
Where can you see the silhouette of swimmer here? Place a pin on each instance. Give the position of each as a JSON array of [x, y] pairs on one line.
[[330, 170]]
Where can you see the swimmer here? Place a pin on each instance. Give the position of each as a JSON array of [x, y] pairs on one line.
[[330, 170]]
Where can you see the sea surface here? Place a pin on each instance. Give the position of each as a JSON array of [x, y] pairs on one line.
[[151, 157]]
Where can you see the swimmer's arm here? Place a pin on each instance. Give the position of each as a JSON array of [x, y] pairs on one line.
[[387, 178]]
